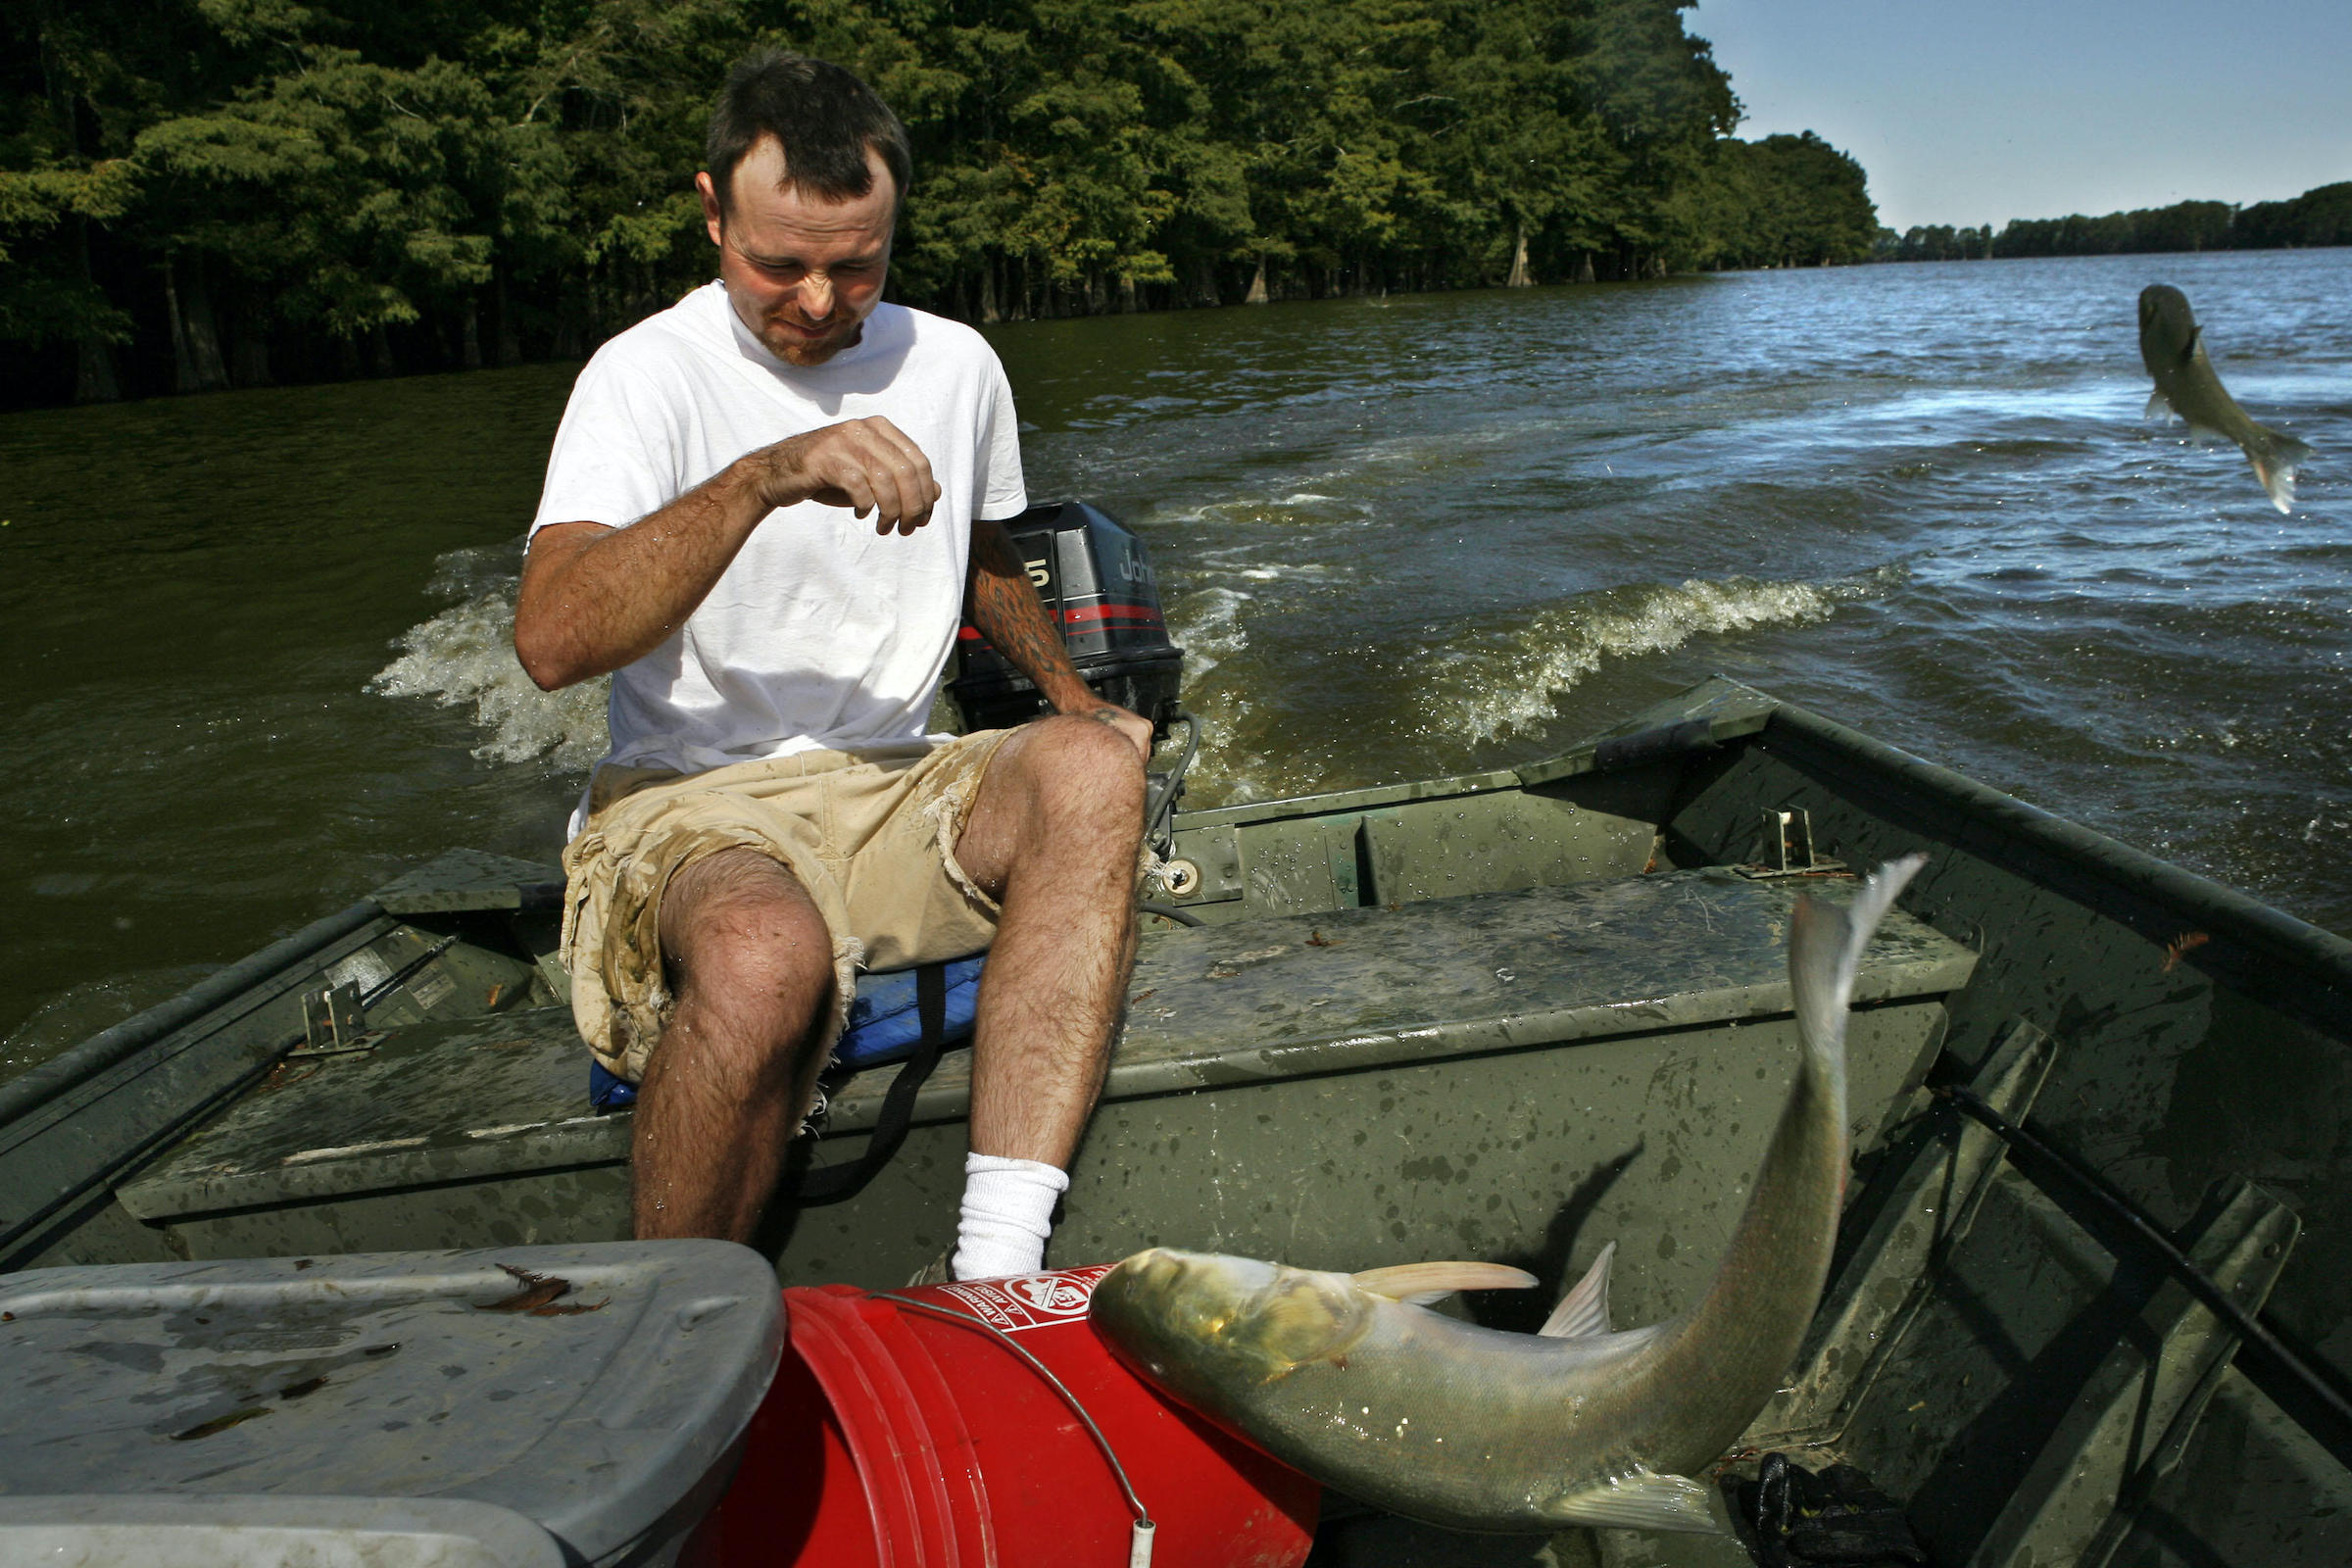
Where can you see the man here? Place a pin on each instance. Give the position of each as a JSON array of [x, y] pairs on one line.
[[763, 510]]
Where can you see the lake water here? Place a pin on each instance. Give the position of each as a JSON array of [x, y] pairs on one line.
[[257, 642]]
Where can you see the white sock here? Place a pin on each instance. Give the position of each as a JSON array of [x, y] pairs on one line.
[[1008, 1214]]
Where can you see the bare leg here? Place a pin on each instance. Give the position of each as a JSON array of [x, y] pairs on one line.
[[1053, 837], [751, 964]]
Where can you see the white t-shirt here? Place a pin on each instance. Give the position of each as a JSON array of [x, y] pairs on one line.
[[820, 633]]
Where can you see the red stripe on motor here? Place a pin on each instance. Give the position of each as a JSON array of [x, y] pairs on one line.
[[1132, 615], [1093, 614]]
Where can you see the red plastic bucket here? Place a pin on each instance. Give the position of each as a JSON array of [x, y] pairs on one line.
[[893, 1436]]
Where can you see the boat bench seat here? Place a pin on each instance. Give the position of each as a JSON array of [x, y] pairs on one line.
[[1361, 988], [1286, 997]]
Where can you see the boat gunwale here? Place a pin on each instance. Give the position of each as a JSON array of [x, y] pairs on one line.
[[22, 1096], [2142, 877]]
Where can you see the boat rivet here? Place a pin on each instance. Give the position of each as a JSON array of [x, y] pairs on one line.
[[1180, 877]]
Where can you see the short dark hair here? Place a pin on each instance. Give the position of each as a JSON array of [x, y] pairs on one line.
[[824, 116]]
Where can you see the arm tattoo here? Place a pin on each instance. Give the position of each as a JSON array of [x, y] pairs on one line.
[[1005, 608]]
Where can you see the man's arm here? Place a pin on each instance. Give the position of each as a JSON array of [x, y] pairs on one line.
[[1003, 607], [594, 598]]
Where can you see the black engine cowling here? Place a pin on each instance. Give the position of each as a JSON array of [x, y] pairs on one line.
[[1096, 580]]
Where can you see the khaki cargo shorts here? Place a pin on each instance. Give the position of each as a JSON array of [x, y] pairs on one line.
[[870, 834]]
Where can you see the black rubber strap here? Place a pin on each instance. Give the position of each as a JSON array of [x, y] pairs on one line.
[[836, 1181]]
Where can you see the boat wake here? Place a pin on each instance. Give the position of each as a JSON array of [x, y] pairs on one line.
[[1506, 678], [1475, 683], [1207, 625], [1445, 699], [466, 655]]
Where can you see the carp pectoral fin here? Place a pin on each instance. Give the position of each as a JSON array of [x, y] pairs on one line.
[[1419, 1283], [2188, 350], [1643, 1499], [2159, 407], [1584, 1309]]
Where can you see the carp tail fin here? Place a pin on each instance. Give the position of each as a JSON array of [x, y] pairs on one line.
[[1825, 955], [2276, 457]]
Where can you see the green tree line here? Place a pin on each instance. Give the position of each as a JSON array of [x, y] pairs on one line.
[[2318, 217], [203, 193]]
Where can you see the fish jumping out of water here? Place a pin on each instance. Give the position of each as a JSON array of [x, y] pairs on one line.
[[2173, 347], [1351, 1379]]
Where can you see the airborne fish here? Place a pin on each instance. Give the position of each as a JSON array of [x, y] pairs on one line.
[[2173, 347], [1351, 1379]]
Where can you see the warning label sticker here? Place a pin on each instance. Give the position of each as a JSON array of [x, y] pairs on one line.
[[1030, 1300]]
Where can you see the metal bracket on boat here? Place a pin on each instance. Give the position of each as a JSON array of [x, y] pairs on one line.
[[334, 1023], [1788, 846]]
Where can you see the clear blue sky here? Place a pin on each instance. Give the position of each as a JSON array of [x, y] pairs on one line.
[[1980, 110]]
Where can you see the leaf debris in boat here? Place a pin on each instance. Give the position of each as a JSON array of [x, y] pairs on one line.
[[2180, 947], [308, 1386], [220, 1423], [571, 1310], [538, 1290]]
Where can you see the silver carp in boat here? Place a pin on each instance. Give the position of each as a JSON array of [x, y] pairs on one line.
[[1350, 1377], [2173, 347]]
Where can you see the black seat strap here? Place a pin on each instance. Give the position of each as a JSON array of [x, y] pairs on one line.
[[836, 1181]]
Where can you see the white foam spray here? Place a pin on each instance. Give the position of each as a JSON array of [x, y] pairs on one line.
[[1207, 625], [466, 655], [1511, 679]]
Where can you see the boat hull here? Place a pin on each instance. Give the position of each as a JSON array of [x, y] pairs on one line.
[[1510, 1016]]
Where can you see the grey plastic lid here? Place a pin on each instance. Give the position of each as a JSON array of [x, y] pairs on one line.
[[102, 1530], [396, 1375]]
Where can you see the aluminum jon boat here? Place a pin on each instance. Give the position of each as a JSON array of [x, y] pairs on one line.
[[2092, 1300]]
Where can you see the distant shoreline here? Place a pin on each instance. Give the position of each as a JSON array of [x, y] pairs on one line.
[[573, 362], [2319, 218]]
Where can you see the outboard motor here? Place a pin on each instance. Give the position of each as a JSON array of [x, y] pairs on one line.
[[1096, 580]]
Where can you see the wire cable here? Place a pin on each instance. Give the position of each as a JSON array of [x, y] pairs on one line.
[[2177, 1263], [1161, 808], [1140, 1544]]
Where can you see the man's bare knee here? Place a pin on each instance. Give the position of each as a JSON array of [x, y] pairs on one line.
[[743, 941], [1063, 785], [1076, 762]]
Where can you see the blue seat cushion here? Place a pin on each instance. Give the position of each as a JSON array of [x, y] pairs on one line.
[[883, 1026]]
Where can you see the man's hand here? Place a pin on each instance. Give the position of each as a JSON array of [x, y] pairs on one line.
[[865, 464], [1003, 605], [595, 598], [1134, 726]]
